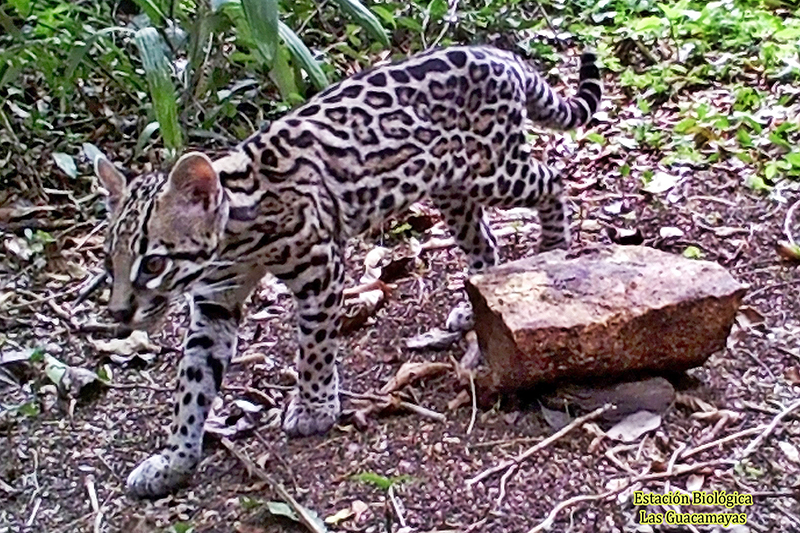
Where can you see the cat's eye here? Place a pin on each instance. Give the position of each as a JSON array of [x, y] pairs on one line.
[[154, 265]]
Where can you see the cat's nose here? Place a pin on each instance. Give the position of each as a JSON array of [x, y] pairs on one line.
[[123, 315]]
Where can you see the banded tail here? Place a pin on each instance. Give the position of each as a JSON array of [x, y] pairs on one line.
[[548, 108]]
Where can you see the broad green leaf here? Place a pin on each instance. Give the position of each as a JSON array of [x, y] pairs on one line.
[[262, 17], [153, 11], [303, 56], [283, 75], [162, 90], [66, 163], [365, 18]]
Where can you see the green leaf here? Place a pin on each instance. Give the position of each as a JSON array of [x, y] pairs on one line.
[[36, 356], [162, 90], [757, 183], [249, 503], [303, 56], [693, 252], [182, 527], [382, 482], [152, 10], [282, 509], [66, 163], [29, 409], [596, 138], [262, 17], [366, 19], [283, 75]]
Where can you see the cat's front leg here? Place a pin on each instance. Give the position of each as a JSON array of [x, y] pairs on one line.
[[208, 347]]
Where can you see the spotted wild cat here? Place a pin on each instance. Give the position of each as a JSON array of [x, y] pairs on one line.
[[446, 125]]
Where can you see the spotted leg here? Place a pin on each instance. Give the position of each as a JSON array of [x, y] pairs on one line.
[[467, 221], [208, 347], [554, 217], [315, 406]]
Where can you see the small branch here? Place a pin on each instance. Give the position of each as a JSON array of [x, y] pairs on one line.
[[787, 223], [720, 442], [769, 429], [541, 445], [89, 288], [302, 513], [474, 413], [396, 508], [389, 400]]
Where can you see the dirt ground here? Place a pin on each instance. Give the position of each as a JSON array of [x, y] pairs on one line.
[[63, 469]]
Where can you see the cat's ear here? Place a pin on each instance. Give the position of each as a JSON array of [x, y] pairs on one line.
[[194, 181], [112, 181]]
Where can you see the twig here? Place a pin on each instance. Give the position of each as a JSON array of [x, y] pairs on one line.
[[89, 288], [302, 513], [671, 464], [388, 399], [474, 413], [769, 429], [541, 445], [396, 508], [34, 512], [787, 223], [503, 481], [723, 440], [124, 386], [98, 511], [46, 299]]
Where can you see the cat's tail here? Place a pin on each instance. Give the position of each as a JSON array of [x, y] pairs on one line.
[[546, 107]]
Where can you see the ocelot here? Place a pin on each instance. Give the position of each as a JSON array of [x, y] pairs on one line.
[[446, 125]]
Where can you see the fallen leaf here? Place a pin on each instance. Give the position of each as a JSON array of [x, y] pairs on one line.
[[340, 516], [634, 426], [66, 163], [792, 375], [695, 482], [790, 451], [661, 182], [137, 344], [625, 236], [411, 372], [670, 232], [70, 381], [435, 339], [749, 317], [555, 418], [788, 251]]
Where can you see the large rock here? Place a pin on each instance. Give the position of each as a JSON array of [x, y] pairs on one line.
[[602, 313]]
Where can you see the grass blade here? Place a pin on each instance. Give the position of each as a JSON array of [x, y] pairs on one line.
[[162, 90], [262, 17], [303, 55], [365, 18]]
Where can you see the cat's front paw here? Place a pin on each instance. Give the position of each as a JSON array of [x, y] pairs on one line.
[[303, 419], [157, 476]]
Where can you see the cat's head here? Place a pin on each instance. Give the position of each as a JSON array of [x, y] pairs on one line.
[[163, 231]]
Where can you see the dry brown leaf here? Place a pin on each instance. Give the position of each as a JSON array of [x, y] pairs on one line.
[[411, 372]]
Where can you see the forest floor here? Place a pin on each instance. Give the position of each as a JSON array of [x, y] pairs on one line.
[[63, 462]]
